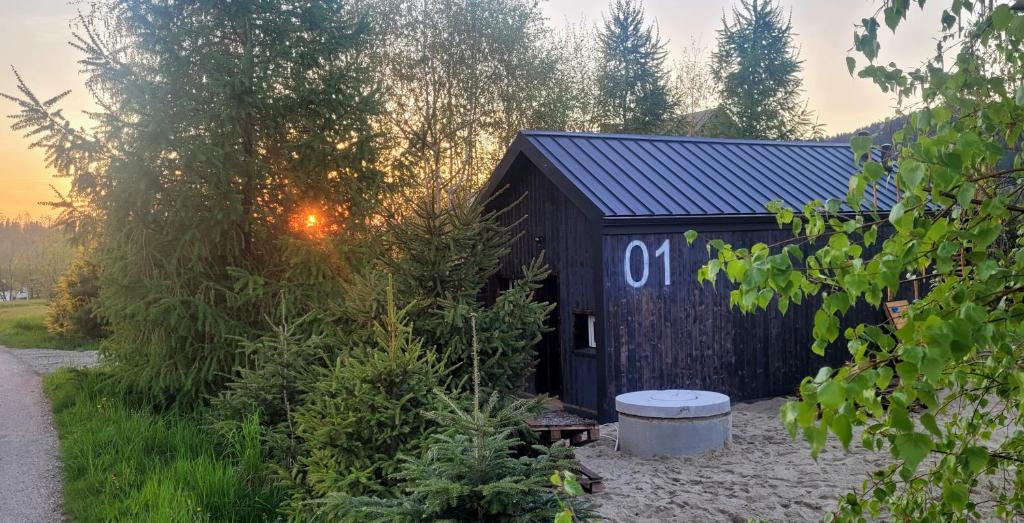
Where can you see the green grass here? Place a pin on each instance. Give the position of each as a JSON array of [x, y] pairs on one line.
[[130, 464], [23, 326]]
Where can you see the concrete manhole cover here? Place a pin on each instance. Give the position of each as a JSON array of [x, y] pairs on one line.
[[673, 422], [681, 396]]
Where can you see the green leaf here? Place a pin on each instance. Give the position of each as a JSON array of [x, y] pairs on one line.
[[986, 269], [841, 427], [789, 412], [911, 174], [893, 14], [564, 516], [736, 270], [1001, 17], [884, 377], [1019, 98], [556, 479], [690, 235], [912, 448], [965, 194], [975, 458], [861, 146], [871, 235], [985, 234], [928, 422], [837, 301], [897, 212], [832, 394], [572, 485], [851, 64], [956, 494], [948, 20], [874, 171], [1017, 27], [826, 326], [931, 367]]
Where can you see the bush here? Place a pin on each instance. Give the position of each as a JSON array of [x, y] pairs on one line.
[[72, 312]]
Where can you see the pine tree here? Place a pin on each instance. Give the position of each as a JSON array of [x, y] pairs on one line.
[[223, 125], [757, 68], [632, 81], [469, 473]]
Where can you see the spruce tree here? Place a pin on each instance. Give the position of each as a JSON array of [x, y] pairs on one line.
[[757, 68], [366, 410], [442, 256], [632, 79], [226, 130]]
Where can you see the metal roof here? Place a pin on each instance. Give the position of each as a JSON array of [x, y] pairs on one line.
[[653, 176]]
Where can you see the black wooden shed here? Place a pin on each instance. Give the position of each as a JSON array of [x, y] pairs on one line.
[[610, 211]]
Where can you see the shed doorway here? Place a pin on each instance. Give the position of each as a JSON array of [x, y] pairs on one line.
[[548, 373]]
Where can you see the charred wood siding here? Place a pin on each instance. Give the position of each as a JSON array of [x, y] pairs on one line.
[[685, 335], [570, 243]]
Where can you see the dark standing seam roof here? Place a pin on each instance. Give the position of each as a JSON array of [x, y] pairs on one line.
[[626, 175]]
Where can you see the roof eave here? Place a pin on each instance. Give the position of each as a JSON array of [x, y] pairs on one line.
[[521, 145], [707, 222]]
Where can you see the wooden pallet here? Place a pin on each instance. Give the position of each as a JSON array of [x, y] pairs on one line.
[[554, 426]]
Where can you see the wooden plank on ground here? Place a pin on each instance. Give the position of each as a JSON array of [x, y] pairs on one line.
[[590, 480]]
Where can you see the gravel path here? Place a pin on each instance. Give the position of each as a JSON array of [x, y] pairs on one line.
[[30, 474]]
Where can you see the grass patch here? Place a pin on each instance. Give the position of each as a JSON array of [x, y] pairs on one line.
[[123, 463], [23, 326]]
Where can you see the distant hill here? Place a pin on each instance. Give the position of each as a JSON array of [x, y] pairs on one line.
[[881, 130], [884, 129]]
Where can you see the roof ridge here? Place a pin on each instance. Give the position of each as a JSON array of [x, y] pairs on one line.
[[673, 138]]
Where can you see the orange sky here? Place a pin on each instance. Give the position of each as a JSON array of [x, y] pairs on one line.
[[34, 34]]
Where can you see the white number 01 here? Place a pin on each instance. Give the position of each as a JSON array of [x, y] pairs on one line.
[[627, 265]]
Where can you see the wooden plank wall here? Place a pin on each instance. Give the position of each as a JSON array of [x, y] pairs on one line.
[[569, 245], [685, 335]]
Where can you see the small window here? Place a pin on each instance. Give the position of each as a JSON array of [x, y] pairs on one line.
[[498, 285], [584, 331]]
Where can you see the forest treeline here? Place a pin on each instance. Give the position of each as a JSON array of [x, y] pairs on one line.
[[33, 255]]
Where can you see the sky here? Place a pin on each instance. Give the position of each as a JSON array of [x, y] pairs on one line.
[[34, 35]]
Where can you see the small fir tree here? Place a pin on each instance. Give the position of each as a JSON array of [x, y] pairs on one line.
[[633, 83], [366, 410], [283, 368], [470, 472], [757, 68]]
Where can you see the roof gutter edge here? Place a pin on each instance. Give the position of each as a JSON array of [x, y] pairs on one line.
[[710, 222]]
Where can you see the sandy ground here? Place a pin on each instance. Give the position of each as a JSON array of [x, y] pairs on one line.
[[30, 474], [763, 475]]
